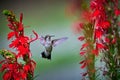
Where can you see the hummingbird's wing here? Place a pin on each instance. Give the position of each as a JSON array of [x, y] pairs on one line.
[[58, 41], [42, 40]]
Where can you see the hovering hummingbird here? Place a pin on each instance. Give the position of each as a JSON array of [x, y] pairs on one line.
[[49, 44]]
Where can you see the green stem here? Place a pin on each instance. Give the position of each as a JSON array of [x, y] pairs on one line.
[[88, 33]]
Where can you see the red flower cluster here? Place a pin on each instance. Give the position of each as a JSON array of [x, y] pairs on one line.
[[13, 68], [97, 17], [20, 71], [100, 18], [22, 44]]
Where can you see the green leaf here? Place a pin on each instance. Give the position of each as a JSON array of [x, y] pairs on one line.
[[7, 54], [6, 12]]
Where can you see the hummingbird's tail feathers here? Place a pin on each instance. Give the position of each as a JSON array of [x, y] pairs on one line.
[[44, 56], [49, 57]]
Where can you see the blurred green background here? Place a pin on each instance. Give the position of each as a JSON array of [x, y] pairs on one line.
[[46, 17]]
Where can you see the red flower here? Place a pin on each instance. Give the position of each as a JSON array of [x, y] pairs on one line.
[[21, 17], [81, 38], [95, 52], [104, 24], [14, 43], [26, 68], [11, 26], [4, 66], [96, 13], [23, 40], [117, 12], [99, 46], [22, 50], [20, 27], [84, 64], [98, 34], [20, 71], [7, 75], [82, 53], [11, 68], [84, 45], [97, 4], [23, 75], [10, 35], [21, 44]]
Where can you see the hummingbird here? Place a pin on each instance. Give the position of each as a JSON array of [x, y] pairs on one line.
[[48, 43]]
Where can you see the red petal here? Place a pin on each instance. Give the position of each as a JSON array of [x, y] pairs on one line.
[[23, 50], [26, 68], [105, 24], [82, 53], [81, 25], [11, 26], [17, 78], [36, 36], [84, 74], [99, 46], [23, 40], [4, 66], [96, 13], [20, 28], [82, 62], [6, 76], [83, 66], [14, 43], [98, 34], [84, 45], [10, 66], [10, 35], [21, 17], [117, 12], [81, 38], [24, 75], [95, 52]]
